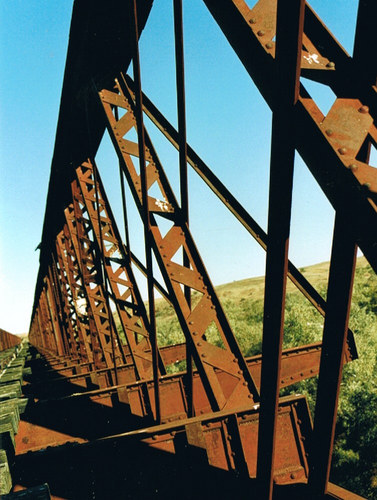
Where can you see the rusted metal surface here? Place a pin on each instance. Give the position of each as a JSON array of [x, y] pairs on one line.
[[98, 339], [8, 340], [290, 26]]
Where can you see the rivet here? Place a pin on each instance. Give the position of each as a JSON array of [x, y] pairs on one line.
[[239, 372], [299, 422], [244, 417], [244, 383], [195, 333], [330, 65], [269, 45], [252, 20], [364, 109], [208, 424], [229, 438], [329, 131], [191, 322], [342, 151], [199, 344], [293, 476], [154, 438], [353, 167], [249, 396], [234, 360], [366, 185], [171, 274], [233, 453], [204, 355], [260, 33]]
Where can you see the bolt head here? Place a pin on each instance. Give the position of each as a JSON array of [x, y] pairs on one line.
[[329, 131], [342, 151], [353, 167], [364, 109], [252, 20], [269, 45], [330, 65], [260, 33]]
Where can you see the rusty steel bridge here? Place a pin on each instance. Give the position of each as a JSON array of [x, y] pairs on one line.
[[105, 415]]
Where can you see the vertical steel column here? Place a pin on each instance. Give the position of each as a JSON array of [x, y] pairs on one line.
[[124, 203], [60, 304], [182, 146], [53, 308], [342, 268], [290, 21], [61, 290], [144, 192], [365, 41], [102, 274]]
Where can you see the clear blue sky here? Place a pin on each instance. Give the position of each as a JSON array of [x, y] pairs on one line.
[[228, 125]]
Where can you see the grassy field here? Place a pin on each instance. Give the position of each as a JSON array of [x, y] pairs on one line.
[[355, 452]]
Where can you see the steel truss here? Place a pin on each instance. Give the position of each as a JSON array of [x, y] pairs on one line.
[[89, 317]]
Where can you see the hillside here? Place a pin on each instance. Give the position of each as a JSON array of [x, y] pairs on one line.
[[243, 303]]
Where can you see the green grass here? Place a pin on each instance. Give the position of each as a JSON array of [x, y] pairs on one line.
[[355, 450]]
